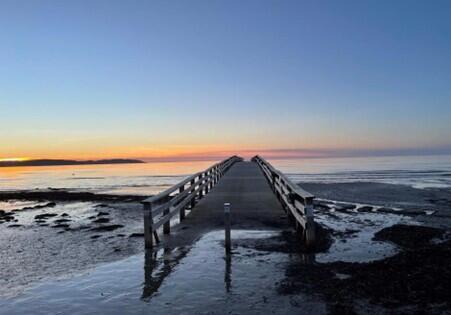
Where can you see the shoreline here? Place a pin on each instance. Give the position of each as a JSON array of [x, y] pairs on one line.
[[105, 228]]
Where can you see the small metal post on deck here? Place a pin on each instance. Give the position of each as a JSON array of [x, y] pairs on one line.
[[227, 227]]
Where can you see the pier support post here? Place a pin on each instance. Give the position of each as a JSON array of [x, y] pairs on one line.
[[148, 225], [182, 211], [207, 181], [193, 200], [227, 227], [201, 191], [309, 231], [167, 225]]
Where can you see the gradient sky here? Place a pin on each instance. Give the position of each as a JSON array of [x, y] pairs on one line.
[[97, 79]]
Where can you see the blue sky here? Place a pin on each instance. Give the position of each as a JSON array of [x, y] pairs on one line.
[[150, 78]]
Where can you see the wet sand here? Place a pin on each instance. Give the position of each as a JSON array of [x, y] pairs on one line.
[[383, 249], [406, 198], [44, 237]]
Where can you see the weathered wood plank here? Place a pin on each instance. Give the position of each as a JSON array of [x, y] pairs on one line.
[[168, 203], [297, 201]]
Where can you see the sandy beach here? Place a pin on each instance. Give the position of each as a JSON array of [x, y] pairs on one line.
[[371, 236]]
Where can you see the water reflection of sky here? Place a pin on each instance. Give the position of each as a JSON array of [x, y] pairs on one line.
[[416, 171], [151, 178], [140, 179], [197, 280]]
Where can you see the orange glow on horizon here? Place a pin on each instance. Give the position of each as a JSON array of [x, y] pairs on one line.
[[16, 159]]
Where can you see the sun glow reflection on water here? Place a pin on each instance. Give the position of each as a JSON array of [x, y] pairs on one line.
[[139, 179]]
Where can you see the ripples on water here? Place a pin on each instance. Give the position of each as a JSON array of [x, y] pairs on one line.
[[151, 178], [196, 280], [415, 171], [134, 179]]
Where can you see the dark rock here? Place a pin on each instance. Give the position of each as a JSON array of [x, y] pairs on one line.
[[365, 209], [412, 212], [60, 226], [101, 220], [321, 205], [414, 281], [63, 195], [386, 210], [344, 207], [8, 217], [95, 236], [102, 213], [64, 214], [408, 236], [105, 228], [14, 225], [45, 216], [137, 235], [49, 204]]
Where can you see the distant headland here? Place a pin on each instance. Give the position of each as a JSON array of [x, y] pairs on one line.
[[53, 162]]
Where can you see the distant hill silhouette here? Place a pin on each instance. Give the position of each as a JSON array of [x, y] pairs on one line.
[[49, 162]]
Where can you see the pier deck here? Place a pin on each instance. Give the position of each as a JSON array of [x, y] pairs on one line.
[[254, 206]]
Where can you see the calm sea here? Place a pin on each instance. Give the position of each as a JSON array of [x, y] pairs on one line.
[[150, 178]]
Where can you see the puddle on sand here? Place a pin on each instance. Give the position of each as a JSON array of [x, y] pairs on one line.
[[196, 280], [353, 236]]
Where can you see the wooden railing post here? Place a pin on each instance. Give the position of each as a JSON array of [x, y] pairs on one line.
[[294, 200], [182, 211], [176, 200], [167, 225], [193, 201], [148, 225], [207, 181], [309, 231], [201, 191]]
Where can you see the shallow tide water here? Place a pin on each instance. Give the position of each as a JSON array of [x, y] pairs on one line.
[[151, 178], [196, 280], [201, 279]]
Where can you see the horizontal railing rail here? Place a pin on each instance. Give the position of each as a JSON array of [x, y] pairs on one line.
[[297, 202], [161, 208]]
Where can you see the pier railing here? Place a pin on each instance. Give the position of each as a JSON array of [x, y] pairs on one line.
[[161, 208], [297, 202]]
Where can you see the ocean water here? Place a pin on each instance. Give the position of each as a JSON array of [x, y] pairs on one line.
[[133, 179], [151, 178], [415, 171], [196, 280]]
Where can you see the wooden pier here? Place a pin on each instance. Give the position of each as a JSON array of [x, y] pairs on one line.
[[258, 193]]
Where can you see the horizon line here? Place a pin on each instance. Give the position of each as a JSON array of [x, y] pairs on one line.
[[282, 154]]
